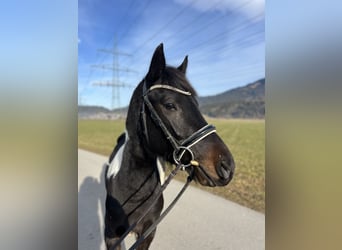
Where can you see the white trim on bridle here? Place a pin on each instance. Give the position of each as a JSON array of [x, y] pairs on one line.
[[163, 86]]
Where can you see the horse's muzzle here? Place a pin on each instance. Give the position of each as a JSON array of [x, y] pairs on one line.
[[218, 173], [224, 174]]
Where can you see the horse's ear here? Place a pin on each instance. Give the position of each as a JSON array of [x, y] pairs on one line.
[[184, 65], [157, 65]]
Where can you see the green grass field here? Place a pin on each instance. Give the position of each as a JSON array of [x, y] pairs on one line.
[[245, 139]]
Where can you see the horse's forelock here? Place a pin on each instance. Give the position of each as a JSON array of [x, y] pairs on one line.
[[176, 78]]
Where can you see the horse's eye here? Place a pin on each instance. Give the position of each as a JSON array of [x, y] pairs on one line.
[[170, 106]]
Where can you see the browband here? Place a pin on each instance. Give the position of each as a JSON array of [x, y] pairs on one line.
[[163, 86]]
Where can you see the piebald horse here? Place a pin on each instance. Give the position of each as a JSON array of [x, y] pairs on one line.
[[163, 125]]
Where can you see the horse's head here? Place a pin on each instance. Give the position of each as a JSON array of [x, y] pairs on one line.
[[175, 128]]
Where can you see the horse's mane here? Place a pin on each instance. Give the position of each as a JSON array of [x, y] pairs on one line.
[[176, 78]]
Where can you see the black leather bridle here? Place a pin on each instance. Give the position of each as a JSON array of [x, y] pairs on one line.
[[179, 147]]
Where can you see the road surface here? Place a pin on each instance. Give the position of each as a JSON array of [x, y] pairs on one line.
[[198, 221]]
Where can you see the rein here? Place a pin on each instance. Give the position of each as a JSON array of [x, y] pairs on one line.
[[167, 210]]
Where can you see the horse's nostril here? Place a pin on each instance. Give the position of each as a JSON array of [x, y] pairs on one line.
[[225, 173], [225, 170]]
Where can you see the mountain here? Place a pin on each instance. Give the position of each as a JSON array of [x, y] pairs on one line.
[[96, 112], [86, 110], [242, 102]]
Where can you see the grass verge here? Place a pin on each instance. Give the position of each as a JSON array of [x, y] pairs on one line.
[[245, 139]]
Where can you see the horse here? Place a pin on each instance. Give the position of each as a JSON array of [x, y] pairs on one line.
[[163, 126]]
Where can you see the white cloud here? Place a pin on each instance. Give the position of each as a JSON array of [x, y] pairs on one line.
[[250, 8]]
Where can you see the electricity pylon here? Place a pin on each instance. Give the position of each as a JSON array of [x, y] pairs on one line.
[[115, 84]]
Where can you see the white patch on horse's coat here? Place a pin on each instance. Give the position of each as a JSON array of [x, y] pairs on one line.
[[161, 171], [115, 165]]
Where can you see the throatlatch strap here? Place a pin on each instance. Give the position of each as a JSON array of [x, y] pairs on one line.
[[143, 115]]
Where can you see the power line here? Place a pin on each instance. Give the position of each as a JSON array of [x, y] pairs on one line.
[[222, 35], [129, 8], [210, 43], [103, 66], [135, 20], [165, 25], [200, 29], [189, 24], [110, 40], [115, 91], [111, 84], [207, 25]]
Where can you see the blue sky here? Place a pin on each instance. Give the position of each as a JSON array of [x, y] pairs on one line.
[[224, 39]]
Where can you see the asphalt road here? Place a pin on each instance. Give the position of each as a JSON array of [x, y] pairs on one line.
[[198, 221]]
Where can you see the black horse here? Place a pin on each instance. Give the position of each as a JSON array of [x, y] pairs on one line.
[[164, 125]]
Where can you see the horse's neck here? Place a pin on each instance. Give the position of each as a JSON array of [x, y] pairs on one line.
[[138, 153]]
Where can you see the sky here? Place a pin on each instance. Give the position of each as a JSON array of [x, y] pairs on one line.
[[224, 40]]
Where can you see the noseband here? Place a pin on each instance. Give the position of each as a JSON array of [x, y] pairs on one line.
[[179, 147]]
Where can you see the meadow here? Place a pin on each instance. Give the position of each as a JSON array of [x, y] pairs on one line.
[[245, 139]]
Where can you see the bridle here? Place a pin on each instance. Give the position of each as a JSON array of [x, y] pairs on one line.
[[179, 147]]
